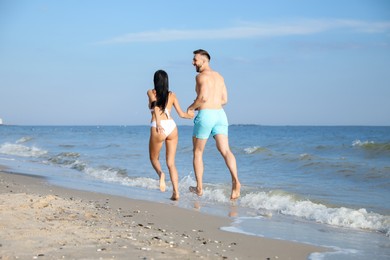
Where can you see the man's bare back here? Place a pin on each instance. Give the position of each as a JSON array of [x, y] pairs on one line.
[[210, 86], [215, 89]]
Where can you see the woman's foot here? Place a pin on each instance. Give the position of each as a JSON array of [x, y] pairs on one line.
[[162, 182]]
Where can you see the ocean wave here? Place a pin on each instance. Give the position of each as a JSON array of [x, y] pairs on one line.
[[305, 157], [255, 149], [21, 150], [66, 145], [7, 159], [65, 158], [371, 146], [103, 173], [117, 175], [24, 139], [341, 217], [359, 143], [214, 193], [279, 201], [73, 160]]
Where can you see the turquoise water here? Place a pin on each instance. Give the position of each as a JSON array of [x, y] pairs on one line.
[[327, 186]]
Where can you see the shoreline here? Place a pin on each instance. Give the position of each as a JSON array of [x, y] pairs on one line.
[[43, 221]]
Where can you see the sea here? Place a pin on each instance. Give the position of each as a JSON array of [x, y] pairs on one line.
[[321, 185]]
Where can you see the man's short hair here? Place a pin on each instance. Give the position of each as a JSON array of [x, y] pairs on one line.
[[203, 53]]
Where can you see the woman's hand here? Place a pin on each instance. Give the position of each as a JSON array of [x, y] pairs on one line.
[[190, 113], [159, 129]]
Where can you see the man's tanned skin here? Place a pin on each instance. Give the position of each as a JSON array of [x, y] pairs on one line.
[[211, 95]]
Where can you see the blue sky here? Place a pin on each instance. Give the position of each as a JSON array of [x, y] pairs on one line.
[[284, 62]]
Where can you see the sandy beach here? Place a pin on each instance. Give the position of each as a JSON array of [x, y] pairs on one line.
[[42, 221]]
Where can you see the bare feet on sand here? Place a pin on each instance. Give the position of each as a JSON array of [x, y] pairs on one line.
[[196, 191], [162, 182], [236, 187], [235, 191], [175, 196]]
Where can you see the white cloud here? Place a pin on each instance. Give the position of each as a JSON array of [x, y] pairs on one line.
[[252, 30]]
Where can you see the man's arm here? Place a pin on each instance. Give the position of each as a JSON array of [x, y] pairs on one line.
[[224, 98], [202, 93]]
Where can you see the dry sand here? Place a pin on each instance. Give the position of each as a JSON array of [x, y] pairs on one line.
[[42, 221]]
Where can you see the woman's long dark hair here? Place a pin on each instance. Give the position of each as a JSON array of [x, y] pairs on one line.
[[161, 86]]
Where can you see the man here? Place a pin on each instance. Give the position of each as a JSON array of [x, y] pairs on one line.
[[211, 119]]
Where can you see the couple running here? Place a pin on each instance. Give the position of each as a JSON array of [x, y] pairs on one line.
[[211, 119]]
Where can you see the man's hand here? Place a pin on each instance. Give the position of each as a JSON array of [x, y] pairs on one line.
[[191, 112]]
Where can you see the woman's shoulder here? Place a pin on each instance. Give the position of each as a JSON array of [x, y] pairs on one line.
[[172, 96], [151, 92], [171, 99]]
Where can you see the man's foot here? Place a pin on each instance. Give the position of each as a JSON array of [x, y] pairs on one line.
[[175, 196], [162, 182], [235, 191], [195, 190]]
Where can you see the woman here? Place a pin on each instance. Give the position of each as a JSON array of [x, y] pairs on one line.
[[163, 129]]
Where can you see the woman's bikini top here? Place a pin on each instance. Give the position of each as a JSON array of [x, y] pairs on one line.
[[166, 111]]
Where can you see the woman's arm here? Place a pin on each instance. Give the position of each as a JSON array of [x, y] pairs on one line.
[[151, 98], [155, 111], [179, 111]]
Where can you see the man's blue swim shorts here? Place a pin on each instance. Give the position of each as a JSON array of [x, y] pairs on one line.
[[210, 121]]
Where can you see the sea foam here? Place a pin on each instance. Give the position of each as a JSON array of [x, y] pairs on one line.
[[24, 139], [255, 149], [21, 150], [306, 209]]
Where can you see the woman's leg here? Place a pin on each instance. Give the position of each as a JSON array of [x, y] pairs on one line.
[[171, 145], [155, 144]]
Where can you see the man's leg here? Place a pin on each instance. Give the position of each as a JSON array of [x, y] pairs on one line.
[[198, 146], [222, 142]]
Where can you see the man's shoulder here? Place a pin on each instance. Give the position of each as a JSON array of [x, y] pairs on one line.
[[210, 75], [216, 73], [201, 76], [207, 74]]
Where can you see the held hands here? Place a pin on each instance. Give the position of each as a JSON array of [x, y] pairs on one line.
[[190, 113]]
